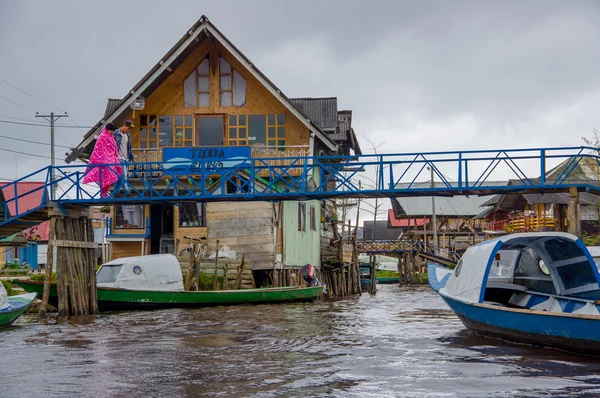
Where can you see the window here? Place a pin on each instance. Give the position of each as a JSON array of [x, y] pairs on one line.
[[302, 217], [238, 130], [165, 131], [148, 131], [257, 129], [210, 130], [184, 135], [130, 216], [192, 214], [108, 273], [196, 88], [276, 130], [313, 219], [232, 86]]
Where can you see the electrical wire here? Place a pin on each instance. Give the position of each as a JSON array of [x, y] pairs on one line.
[[17, 104], [34, 142], [29, 95], [68, 126]]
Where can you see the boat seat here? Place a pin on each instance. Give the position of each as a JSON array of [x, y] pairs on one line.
[[506, 285], [494, 303]]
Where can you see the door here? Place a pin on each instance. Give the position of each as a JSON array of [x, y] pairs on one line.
[[210, 130]]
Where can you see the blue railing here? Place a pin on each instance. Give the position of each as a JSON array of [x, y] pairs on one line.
[[385, 175]]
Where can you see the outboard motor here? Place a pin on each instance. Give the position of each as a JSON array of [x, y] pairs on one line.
[[308, 271]]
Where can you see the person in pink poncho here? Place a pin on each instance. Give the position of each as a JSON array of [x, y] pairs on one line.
[[105, 153]]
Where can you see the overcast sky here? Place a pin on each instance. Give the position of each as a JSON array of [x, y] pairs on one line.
[[426, 75]]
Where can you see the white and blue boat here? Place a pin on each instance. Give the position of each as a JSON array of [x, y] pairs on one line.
[[535, 288], [11, 307]]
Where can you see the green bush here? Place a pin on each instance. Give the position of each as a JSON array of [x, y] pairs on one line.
[[9, 288], [387, 274], [42, 277], [206, 281], [591, 240]]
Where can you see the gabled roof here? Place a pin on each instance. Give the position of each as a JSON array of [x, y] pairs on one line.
[[201, 30], [452, 206], [111, 105]]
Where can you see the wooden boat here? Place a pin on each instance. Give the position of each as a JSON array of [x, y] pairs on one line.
[[536, 288], [151, 282], [11, 307], [387, 280]]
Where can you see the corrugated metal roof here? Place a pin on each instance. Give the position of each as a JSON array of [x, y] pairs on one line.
[[111, 106], [382, 230], [31, 198], [322, 112], [561, 198], [461, 205]]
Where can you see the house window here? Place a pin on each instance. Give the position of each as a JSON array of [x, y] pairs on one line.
[[232, 86], [238, 130], [192, 214], [302, 217], [257, 129], [165, 131], [184, 131], [129, 216], [313, 219], [148, 131], [276, 130], [196, 88]]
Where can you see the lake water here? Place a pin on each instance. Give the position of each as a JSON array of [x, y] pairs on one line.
[[404, 342]]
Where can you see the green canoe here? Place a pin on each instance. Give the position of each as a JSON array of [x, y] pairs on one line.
[[388, 281], [110, 299], [16, 306]]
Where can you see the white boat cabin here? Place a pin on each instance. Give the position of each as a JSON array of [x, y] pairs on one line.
[[3, 298], [154, 272], [539, 271]]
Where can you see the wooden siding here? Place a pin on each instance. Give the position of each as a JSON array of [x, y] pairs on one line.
[[301, 247], [167, 99], [125, 249], [246, 228]]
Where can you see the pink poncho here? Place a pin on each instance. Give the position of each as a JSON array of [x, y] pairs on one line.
[[105, 152]]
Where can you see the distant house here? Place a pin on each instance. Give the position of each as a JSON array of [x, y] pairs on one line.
[[517, 212]]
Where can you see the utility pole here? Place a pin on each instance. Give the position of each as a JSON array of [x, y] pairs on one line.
[[434, 216], [51, 118]]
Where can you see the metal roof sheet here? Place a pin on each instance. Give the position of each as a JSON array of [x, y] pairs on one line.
[[322, 112]]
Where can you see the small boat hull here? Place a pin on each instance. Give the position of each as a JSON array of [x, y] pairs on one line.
[[569, 332], [388, 281], [17, 306], [111, 299]]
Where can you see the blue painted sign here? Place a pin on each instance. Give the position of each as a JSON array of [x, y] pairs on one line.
[[182, 160]]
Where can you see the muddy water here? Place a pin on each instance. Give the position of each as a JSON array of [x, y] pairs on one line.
[[403, 342]]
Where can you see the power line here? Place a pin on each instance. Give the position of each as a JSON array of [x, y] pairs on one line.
[[25, 153], [16, 118], [32, 142], [29, 95], [46, 125], [17, 104]]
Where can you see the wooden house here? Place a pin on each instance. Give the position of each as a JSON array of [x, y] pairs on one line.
[[204, 93]]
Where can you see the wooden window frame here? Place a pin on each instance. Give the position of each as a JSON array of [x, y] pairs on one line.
[[274, 141], [301, 217], [198, 91], [230, 88], [183, 126], [207, 116], [147, 140], [241, 122]]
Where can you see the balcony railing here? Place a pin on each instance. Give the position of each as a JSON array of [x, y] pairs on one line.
[[522, 223]]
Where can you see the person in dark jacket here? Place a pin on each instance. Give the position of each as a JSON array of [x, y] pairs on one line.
[[123, 140]]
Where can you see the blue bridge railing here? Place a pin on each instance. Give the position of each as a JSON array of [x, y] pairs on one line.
[[476, 172]]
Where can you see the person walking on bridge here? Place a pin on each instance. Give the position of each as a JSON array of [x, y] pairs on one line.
[[104, 168], [123, 140]]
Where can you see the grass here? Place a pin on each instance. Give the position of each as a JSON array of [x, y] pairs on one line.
[[42, 277], [9, 288], [387, 274], [206, 281]]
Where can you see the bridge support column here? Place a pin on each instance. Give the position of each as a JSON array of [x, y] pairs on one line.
[[72, 241], [573, 213]]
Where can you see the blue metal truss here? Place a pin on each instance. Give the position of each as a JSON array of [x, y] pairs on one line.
[[473, 172]]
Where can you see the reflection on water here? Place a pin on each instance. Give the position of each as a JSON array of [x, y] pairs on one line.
[[403, 342]]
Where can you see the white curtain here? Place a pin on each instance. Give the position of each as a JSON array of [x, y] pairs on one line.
[[133, 215], [239, 90]]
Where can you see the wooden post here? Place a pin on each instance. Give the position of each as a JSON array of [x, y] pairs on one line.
[[226, 272], [399, 269], [574, 217], [49, 263]]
